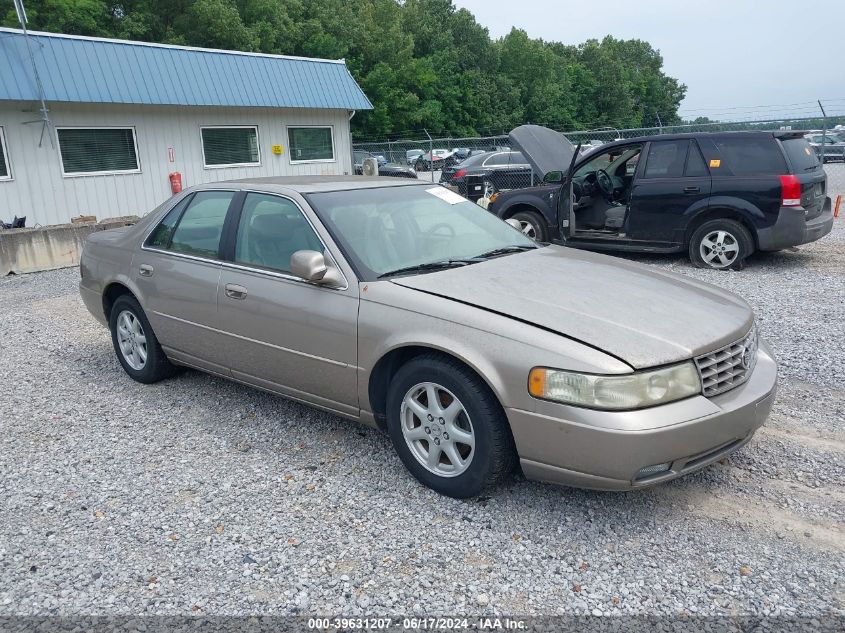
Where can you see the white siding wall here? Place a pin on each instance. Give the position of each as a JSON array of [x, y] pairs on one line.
[[40, 192]]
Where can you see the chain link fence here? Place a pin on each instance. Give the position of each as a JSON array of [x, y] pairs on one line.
[[475, 166]]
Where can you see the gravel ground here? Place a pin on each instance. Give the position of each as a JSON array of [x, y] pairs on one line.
[[200, 496]]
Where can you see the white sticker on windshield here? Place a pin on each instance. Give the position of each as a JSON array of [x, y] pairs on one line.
[[446, 195]]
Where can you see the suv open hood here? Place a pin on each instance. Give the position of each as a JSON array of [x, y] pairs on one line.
[[545, 149]]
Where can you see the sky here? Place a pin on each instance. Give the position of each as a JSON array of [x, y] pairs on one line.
[[740, 59]]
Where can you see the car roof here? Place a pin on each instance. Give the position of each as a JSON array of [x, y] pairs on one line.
[[312, 184], [785, 134]]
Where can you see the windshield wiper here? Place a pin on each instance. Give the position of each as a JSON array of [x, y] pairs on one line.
[[504, 250], [446, 263]]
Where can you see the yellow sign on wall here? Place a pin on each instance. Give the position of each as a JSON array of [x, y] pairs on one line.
[[715, 162], [276, 149]]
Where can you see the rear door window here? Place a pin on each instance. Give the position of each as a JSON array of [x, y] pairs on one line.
[[801, 155], [666, 159], [200, 227], [695, 162], [751, 156], [160, 237]]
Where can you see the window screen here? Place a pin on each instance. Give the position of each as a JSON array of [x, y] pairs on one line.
[[271, 229], [666, 159], [199, 230], [230, 146], [5, 173], [93, 150], [751, 156], [310, 143]]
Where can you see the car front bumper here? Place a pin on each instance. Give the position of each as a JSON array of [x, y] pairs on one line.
[[607, 450], [793, 229]]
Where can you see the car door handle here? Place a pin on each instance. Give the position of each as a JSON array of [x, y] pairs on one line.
[[145, 270], [692, 189], [233, 291]]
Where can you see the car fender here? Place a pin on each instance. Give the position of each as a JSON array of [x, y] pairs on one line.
[[539, 201], [500, 349], [725, 206]]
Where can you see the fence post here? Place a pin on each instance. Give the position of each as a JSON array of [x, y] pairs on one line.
[[824, 129], [430, 154]]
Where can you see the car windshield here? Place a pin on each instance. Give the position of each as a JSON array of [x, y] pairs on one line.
[[414, 229]]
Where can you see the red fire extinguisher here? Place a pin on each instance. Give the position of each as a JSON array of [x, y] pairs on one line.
[[175, 182]]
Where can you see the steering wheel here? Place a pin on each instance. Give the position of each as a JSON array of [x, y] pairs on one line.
[[605, 184], [433, 230]]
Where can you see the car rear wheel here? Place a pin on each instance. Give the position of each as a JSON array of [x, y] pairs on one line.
[[135, 343], [721, 245], [532, 225], [447, 427]]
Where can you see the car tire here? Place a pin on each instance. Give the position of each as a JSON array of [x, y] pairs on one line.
[[480, 451], [135, 343], [532, 225], [720, 245]]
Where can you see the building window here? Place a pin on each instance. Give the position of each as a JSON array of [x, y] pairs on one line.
[[307, 144], [230, 146], [5, 171], [91, 151]]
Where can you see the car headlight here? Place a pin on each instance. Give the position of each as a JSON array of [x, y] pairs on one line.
[[627, 391]]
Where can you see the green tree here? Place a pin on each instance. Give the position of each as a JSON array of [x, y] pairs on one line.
[[424, 64]]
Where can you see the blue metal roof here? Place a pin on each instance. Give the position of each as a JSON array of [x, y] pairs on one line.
[[93, 70]]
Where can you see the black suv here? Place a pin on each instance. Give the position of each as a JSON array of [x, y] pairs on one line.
[[718, 196]]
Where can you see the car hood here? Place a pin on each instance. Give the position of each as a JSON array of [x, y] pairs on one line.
[[637, 314], [545, 149]]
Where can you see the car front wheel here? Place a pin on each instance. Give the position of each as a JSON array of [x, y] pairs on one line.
[[721, 245], [447, 427], [135, 343], [532, 225]]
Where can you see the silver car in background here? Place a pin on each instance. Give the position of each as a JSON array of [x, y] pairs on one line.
[[402, 305]]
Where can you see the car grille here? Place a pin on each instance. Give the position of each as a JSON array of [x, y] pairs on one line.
[[729, 366]]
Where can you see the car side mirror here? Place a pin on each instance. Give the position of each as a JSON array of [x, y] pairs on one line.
[[514, 223], [313, 268]]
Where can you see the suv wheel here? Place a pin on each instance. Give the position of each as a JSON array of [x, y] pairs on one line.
[[447, 427], [532, 225], [136, 344], [721, 245]]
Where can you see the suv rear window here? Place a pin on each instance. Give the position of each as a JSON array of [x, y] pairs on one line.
[[752, 156], [801, 155]]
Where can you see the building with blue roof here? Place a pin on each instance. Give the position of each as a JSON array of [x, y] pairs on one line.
[[122, 117]]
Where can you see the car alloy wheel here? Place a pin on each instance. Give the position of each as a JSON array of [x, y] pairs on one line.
[[132, 340], [528, 229], [437, 429], [719, 249]]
